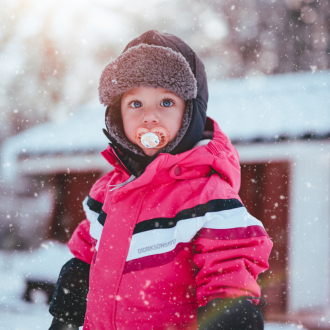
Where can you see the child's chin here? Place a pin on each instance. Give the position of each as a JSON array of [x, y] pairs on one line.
[[150, 151]]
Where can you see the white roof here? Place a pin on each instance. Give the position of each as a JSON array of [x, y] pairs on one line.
[[80, 133], [290, 104], [254, 107]]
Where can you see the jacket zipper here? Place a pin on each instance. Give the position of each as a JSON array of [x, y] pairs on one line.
[[131, 178], [118, 159], [116, 186]]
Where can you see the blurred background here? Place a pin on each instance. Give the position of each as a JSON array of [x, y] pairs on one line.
[[268, 67]]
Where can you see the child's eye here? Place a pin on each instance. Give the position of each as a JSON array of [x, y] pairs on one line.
[[136, 104], [166, 103]]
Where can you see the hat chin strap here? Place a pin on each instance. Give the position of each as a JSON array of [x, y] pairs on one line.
[[157, 137]]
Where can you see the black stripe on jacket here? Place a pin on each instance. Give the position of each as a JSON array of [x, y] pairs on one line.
[[94, 205], [200, 210], [101, 218]]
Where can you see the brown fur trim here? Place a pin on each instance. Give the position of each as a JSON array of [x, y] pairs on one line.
[[147, 66]]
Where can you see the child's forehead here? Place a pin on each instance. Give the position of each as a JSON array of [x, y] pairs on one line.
[[146, 90]]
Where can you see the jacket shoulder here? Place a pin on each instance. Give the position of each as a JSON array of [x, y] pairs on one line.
[[98, 189], [213, 187]]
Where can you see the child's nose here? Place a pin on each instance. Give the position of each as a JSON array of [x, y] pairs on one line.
[[150, 117]]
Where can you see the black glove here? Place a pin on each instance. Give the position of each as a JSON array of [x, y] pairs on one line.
[[59, 325], [230, 314], [68, 305]]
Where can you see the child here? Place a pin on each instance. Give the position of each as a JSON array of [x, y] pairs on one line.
[[167, 243]]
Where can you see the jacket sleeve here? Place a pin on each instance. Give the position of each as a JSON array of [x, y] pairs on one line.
[[85, 239], [231, 250], [68, 305], [81, 243]]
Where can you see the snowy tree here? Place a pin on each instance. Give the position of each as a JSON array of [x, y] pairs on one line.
[[274, 36], [51, 57]]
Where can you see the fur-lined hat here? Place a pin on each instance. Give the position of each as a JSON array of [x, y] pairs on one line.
[[156, 60]]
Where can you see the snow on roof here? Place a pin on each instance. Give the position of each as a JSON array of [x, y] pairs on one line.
[[253, 107], [81, 133], [270, 106]]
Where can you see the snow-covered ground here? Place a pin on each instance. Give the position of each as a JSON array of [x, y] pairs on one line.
[[15, 269], [44, 263]]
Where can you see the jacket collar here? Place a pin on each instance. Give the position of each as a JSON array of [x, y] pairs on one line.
[[217, 153]]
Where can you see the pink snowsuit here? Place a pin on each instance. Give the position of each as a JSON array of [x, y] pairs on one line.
[[170, 240]]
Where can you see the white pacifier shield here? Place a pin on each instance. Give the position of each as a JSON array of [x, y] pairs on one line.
[[150, 140]]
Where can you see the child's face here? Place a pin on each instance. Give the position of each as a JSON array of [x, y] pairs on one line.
[[149, 108]]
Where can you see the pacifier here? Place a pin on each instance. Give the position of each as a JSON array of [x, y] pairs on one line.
[[154, 138]]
